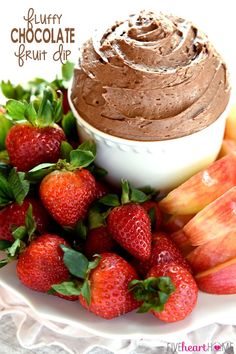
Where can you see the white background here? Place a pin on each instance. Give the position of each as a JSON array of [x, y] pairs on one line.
[[216, 18]]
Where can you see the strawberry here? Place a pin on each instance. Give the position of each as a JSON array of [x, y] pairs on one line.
[[39, 140], [68, 189], [163, 251], [14, 216], [152, 208], [41, 264], [130, 226], [67, 195], [29, 146], [109, 281], [169, 292], [101, 189], [98, 241], [65, 102]]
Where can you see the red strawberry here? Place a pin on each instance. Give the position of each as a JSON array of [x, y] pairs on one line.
[[150, 205], [183, 300], [169, 292], [41, 264], [14, 215], [67, 195], [163, 251], [29, 146], [65, 102], [100, 190], [109, 281], [130, 226], [98, 241]]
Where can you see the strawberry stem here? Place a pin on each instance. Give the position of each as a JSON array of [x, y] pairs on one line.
[[153, 292], [42, 112]]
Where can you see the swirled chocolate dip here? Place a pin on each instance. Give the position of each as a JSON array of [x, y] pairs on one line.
[[151, 77]]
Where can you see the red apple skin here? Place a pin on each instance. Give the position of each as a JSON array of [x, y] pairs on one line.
[[220, 280], [202, 188], [216, 220], [213, 253], [182, 242], [176, 222]]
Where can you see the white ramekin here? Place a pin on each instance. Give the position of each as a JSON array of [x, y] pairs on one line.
[[162, 165]]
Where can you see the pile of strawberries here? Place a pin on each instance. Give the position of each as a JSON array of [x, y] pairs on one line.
[[76, 237]]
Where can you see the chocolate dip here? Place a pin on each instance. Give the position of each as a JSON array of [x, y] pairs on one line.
[[151, 77]]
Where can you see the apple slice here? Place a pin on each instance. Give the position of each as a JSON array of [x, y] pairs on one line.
[[182, 242], [219, 280], [202, 188], [215, 220], [212, 253], [228, 147], [230, 128], [176, 222]]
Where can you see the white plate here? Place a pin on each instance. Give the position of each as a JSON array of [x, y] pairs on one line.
[[210, 309]]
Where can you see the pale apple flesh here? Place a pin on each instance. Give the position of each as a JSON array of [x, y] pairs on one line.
[[230, 128], [202, 188], [228, 147], [212, 253], [216, 220], [220, 280]]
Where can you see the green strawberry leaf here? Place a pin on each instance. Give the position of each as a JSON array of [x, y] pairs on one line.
[[44, 115], [81, 230], [67, 70], [3, 262], [154, 292], [163, 297], [69, 126], [86, 292], [84, 155], [6, 195], [4, 244], [165, 285], [93, 264], [75, 261], [66, 288], [15, 248], [19, 233], [152, 217], [5, 168], [15, 92], [57, 84], [137, 196], [31, 114], [30, 222], [42, 166], [8, 89], [97, 172], [5, 125], [57, 110], [38, 82], [96, 218], [66, 149], [88, 145], [19, 186], [125, 191], [39, 172], [16, 110], [4, 157], [110, 200]]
